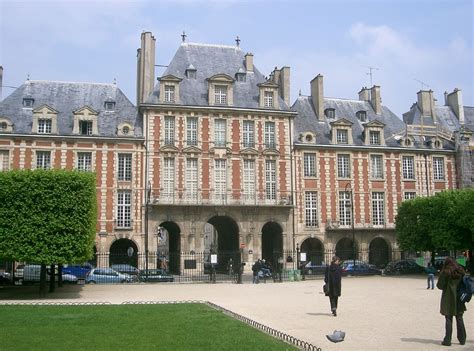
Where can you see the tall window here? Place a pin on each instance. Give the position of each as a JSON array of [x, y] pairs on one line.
[[345, 208], [438, 168], [342, 136], [268, 99], [124, 167], [376, 166], [248, 139], [220, 179], [168, 178], [43, 159], [309, 163], [270, 135], [191, 178], [220, 132], [270, 180], [343, 166], [4, 160], [85, 127], [169, 93], [220, 94], [124, 209], [409, 195], [374, 137], [408, 167], [191, 131], [311, 210], [249, 180], [44, 126], [378, 208], [169, 130], [84, 161]]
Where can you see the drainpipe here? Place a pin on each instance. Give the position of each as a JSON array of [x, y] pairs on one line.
[[293, 197], [146, 196]]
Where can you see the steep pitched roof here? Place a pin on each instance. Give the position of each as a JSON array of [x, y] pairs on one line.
[[307, 121], [66, 97], [210, 60]]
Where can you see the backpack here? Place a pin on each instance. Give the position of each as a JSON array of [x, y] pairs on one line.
[[465, 289]]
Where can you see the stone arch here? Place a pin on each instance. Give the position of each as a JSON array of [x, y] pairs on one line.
[[314, 249], [169, 246], [345, 250], [224, 242], [379, 252], [272, 242], [123, 251]]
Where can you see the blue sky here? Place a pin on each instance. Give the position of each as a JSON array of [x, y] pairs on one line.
[[96, 41]]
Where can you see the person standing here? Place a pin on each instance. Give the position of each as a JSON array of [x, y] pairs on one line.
[[448, 281], [333, 277], [431, 271]]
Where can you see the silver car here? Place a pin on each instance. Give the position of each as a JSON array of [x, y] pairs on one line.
[[107, 276]]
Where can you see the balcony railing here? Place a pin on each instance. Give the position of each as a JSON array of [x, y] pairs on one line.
[[228, 198]]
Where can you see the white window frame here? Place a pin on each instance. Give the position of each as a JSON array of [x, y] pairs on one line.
[[43, 159], [169, 93], [376, 167], [249, 181], [342, 136], [309, 164], [191, 131], [192, 179], [45, 125], [438, 169], [168, 178], [124, 209], [374, 137], [268, 99], [270, 180], [378, 208], [345, 209], [408, 167], [169, 130], [220, 180], [4, 160], [220, 94], [124, 167], [270, 135], [344, 166], [311, 209], [89, 127], [220, 132], [248, 139], [84, 161], [409, 195]]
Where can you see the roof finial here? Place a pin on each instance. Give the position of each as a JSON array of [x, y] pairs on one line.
[[300, 92], [237, 41], [115, 81], [183, 36], [28, 76]]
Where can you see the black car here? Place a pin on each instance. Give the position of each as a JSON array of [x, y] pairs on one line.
[[155, 275], [403, 267], [313, 268]]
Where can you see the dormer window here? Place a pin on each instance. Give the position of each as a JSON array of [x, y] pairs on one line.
[[330, 113], [220, 94], [241, 77], [28, 102], [407, 142], [3, 126], [374, 137], [374, 133], [268, 99], [125, 129], [109, 105], [85, 121], [341, 131], [361, 116], [191, 72], [85, 127], [44, 126], [342, 136], [169, 93]]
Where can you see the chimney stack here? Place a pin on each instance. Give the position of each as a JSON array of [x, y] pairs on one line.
[[454, 100], [145, 67], [317, 96], [426, 103], [375, 99], [364, 94], [1, 81], [284, 84], [249, 62]]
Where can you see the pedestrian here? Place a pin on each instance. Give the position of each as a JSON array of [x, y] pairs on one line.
[[448, 281], [431, 271], [255, 270], [332, 277]]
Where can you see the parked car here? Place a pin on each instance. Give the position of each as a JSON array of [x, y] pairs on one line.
[[5, 278], [32, 274], [403, 267], [79, 270], [362, 268], [125, 268], [19, 273], [155, 275], [312, 268], [106, 276]]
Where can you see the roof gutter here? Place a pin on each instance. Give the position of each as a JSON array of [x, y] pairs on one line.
[[371, 148], [72, 137]]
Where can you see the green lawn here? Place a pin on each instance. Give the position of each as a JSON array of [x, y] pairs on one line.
[[128, 327]]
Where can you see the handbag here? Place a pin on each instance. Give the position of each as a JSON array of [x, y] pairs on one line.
[[326, 289]]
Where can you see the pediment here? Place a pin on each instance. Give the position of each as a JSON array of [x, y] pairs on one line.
[[192, 150], [220, 150], [170, 78], [249, 151], [375, 123], [221, 77], [268, 84], [342, 122], [45, 108], [270, 152], [85, 110], [169, 148]]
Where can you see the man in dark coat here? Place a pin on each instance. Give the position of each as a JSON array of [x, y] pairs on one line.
[[332, 277]]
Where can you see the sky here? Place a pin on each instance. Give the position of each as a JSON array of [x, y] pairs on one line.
[[411, 44]]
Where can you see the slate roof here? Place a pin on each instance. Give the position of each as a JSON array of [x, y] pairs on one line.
[[66, 97], [469, 117], [209, 60], [307, 121]]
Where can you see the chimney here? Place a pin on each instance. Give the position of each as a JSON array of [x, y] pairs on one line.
[[426, 102], [275, 76], [454, 100], [317, 96], [284, 87], [249, 62], [145, 67], [1, 81], [375, 99], [364, 94]]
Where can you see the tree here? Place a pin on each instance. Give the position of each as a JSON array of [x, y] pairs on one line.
[[47, 216]]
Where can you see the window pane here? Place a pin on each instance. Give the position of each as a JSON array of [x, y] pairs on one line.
[[220, 180], [4, 160], [438, 168], [309, 165], [345, 209], [169, 130], [311, 213], [408, 167], [374, 137], [191, 179], [220, 132], [378, 208], [168, 178], [249, 180], [270, 180], [124, 209], [270, 135], [343, 167], [124, 167], [84, 161], [268, 99], [248, 138], [376, 163], [43, 159], [192, 131], [341, 136], [220, 93]]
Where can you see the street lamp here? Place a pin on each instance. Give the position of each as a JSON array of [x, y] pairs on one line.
[[351, 206], [147, 204]]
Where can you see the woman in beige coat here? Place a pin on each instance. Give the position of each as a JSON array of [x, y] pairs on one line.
[[448, 281]]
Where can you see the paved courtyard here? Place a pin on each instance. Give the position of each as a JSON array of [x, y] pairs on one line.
[[377, 313]]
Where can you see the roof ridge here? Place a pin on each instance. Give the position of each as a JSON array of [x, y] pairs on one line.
[[213, 45], [67, 82]]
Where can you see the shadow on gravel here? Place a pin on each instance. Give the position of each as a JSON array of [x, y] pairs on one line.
[[422, 341], [32, 293], [320, 314]]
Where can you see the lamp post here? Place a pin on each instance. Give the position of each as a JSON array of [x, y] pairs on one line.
[[351, 206], [147, 204], [297, 256]]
